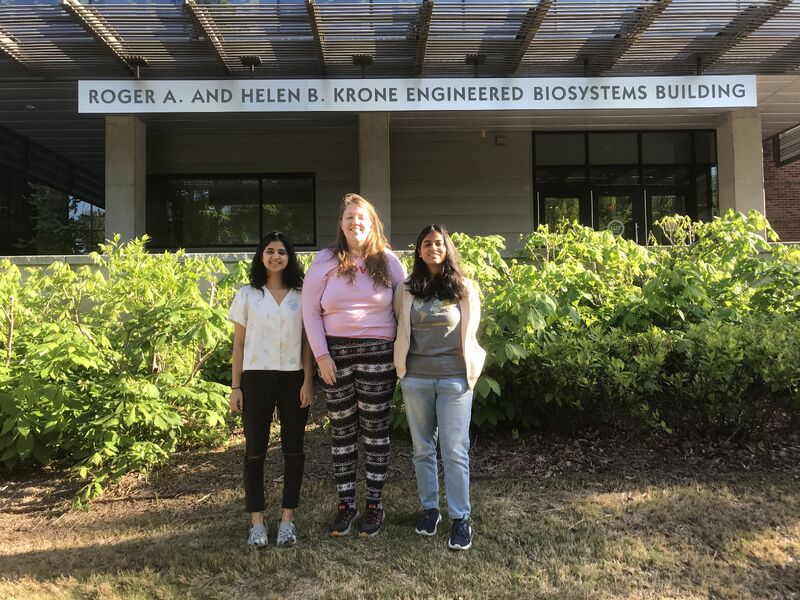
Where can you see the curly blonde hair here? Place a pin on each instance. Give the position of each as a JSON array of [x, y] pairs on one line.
[[373, 251]]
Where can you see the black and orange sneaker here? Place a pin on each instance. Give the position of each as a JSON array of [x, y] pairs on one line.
[[342, 523], [373, 520]]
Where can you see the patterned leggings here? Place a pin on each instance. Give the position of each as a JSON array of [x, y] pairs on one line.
[[359, 402]]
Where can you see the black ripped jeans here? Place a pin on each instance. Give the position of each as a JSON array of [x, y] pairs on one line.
[[261, 392]]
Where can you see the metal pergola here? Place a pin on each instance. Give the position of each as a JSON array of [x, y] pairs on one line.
[[74, 39], [46, 46]]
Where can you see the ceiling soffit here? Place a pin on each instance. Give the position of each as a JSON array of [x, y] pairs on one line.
[[74, 39]]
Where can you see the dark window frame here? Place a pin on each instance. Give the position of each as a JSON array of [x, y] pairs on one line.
[[97, 234], [19, 217], [260, 177], [585, 188]]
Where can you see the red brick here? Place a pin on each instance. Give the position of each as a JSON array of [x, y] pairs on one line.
[[782, 195]]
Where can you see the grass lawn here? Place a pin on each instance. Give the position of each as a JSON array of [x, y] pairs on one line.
[[553, 518]]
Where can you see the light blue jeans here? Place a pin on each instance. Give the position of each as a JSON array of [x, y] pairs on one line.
[[440, 408]]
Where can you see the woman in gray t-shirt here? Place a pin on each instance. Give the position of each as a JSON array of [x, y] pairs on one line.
[[438, 360]]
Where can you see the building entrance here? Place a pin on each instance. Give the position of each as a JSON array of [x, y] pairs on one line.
[[631, 213], [618, 211], [624, 182], [664, 202]]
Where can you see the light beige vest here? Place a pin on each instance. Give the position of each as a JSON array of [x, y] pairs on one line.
[[474, 355]]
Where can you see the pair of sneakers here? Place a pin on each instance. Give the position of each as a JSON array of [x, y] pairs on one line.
[[460, 531], [346, 516], [287, 535]]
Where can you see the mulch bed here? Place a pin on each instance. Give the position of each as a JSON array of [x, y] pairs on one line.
[[546, 459]]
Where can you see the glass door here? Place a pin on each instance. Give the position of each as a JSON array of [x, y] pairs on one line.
[[663, 202], [558, 206], [619, 211]]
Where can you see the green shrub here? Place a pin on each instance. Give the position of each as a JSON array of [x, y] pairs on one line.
[[584, 329], [103, 365], [731, 379], [111, 368]]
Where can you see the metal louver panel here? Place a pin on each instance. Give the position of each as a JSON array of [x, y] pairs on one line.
[[786, 146]]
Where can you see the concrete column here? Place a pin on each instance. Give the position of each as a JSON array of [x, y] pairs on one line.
[[126, 176], [373, 165], [741, 161]]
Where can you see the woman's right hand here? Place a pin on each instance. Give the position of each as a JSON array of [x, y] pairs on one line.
[[327, 369], [236, 401]]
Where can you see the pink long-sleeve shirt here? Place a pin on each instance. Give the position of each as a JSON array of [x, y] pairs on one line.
[[332, 306]]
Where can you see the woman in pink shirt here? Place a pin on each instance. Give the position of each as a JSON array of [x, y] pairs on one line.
[[350, 325]]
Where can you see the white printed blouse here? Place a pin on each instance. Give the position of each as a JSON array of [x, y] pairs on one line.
[[274, 336]]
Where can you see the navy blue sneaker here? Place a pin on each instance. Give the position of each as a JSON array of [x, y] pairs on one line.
[[429, 521], [460, 535]]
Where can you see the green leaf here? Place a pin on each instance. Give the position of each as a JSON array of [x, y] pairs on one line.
[[493, 385], [8, 405], [41, 454], [482, 387], [8, 425], [11, 454], [160, 422], [25, 446]]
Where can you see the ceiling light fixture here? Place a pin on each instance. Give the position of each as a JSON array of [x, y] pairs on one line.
[[251, 61]]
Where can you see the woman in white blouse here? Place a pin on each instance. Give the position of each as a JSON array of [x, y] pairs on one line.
[[272, 365]]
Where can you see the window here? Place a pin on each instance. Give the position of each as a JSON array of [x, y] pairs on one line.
[[286, 206], [63, 224], [560, 149], [561, 175], [705, 147], [88, 223], [671, 147], [624, 181], [613, 149], [229, 210], [614, 176]]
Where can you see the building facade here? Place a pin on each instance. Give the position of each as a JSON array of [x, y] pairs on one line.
[[626, 112]]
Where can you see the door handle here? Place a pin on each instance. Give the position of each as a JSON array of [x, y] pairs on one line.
[[646, 219]]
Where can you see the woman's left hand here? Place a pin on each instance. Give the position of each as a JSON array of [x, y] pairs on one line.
[[307, 395]]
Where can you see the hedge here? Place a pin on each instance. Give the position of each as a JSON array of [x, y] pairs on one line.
[[111, 368]]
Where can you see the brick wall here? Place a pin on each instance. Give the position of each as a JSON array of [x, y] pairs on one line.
[[782, 195]]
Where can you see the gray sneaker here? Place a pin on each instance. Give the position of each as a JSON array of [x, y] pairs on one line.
[[258, 536], [287, 534]]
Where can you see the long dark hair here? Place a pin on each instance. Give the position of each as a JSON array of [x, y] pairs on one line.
[[447, 285], [292, 275]]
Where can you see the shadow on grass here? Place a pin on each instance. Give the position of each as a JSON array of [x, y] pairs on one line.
[[688, 539], [548, 523]]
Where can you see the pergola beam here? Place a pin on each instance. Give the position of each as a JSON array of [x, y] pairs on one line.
[[644, 16], [784, 60], [316, 28], [530, 26], [206, 24], [745, 23], [423, 31], [10, 47], [99, 29]]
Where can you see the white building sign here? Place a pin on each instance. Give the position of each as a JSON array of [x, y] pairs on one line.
[[392, 95]]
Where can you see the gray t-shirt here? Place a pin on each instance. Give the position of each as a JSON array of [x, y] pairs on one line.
[[435, 349]]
